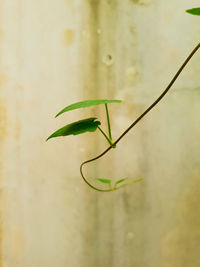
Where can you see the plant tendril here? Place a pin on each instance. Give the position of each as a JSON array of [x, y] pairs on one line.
[[134, 123]]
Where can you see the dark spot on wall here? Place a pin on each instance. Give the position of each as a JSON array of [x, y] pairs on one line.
[[141, 2], [68, 37]]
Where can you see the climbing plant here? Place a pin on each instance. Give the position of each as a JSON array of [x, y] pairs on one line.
[[92, 124]]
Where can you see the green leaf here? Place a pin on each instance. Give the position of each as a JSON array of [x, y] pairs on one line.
[[105, 181], [120, 181], [86, 103], [127, 183], [78, 127], [194, 11]]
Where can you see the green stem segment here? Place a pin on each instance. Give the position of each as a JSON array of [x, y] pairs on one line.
[[108, 121], [104, 134], [107, 138]]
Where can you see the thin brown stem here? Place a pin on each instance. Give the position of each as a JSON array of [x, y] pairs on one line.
[[138, 119]]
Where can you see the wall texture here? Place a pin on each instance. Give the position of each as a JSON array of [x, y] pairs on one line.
[[54, 53]]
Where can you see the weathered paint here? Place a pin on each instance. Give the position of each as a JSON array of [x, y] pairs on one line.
[[70, 2], [142, 2], [3, 79], [68, 37], [3, 132], [57, 53], [180, 246]]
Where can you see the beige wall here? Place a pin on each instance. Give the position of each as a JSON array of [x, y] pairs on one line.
[[54, 53]]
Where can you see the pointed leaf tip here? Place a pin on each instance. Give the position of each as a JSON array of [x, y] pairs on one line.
[[194, 11]]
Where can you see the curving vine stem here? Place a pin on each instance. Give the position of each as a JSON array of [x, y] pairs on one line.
[[134, 123]]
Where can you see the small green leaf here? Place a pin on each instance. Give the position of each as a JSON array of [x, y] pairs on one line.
[[127, 183], [87, 103], [194, 11], [120, 181], [78, 127], [105, 181]]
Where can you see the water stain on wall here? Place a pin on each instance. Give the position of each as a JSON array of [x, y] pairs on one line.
[[17, 244], [3, 120], [141, 2], [1, 34], [69, 2], [112, 3], [68, 37], [3, 79], [181, 245], [91, 48]]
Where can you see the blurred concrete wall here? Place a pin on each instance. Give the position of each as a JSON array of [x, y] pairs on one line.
[[54, 53]]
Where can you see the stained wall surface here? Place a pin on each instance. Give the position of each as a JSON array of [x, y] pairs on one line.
[[54, 53]]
